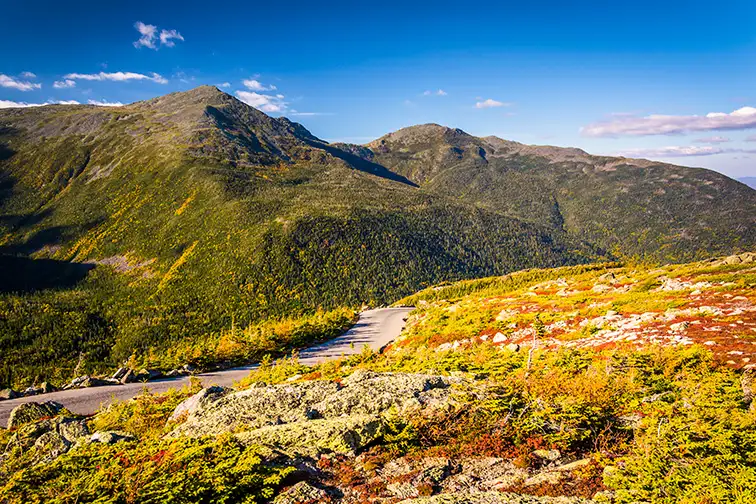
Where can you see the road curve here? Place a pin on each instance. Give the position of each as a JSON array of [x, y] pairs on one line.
[[375, 328]]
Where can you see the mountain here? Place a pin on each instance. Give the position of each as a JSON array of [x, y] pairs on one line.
[[627, 206], [749, 181], [145, 229]]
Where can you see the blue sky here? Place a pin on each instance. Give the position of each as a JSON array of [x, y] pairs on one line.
[[666, 80]]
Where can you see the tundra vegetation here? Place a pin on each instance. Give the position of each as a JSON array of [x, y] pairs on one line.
[[605, 383]]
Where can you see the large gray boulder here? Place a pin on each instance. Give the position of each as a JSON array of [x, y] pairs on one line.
[[312, 416], [31, 412], [198, 401]]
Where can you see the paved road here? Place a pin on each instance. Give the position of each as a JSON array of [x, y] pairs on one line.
[[374, 327]]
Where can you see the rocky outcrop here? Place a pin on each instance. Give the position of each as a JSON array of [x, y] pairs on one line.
[[493, 498], [301, 493], [314, 416], [32, 411]]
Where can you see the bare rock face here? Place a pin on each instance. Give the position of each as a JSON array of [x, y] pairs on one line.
[[312, 417]]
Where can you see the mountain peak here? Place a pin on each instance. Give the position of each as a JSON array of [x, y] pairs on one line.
[[430, 133]]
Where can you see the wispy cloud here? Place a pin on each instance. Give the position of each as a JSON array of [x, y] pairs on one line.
[[12, 104], [28, 75], [309, 114], [751, 138], [224, 85], [150, 38], [255, 85], [104, 103], [712, 140], [10, 82], [167, 37], [117, 76], [439, 92], [68, 83], [682, 151], [148, 35], [266, 103], [742, 118], [490, 103]]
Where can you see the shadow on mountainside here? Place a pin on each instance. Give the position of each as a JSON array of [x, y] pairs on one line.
[[23, 274], [364, 165]]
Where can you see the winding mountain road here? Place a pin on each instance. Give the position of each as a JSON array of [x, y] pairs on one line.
[[375, 328]]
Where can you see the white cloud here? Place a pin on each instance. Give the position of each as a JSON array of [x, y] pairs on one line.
[[742, 118], [489, 103], [28, 75], [167, 37], [224, 85], [12, 104], [266, 103], [68, 83], [10, 82], [256, 85], [308, 114], [681, 151], [148, 35], [712, 140], [440, 92], [105, 103], [117, 76]]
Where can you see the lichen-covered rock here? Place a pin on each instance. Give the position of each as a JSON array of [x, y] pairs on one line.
[[493, 498], [301, 493], [51, 445], [256, 407], [336, 435], [32, 411], [197, 401], [362, 393]]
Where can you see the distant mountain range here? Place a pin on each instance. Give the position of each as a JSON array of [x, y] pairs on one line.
[[143, 225]]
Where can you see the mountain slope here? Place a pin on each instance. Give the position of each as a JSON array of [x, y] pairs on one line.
[[141, 227], [628, 206]]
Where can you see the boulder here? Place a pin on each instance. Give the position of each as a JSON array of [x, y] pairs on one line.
[[148, 374], [110, 437], [31, 391], [129, 377], [47, 387], [550, 455], [301, 493], [120, 373], [32, 411], [344, 435], [51, 445], [8, 393], [197, 401]]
